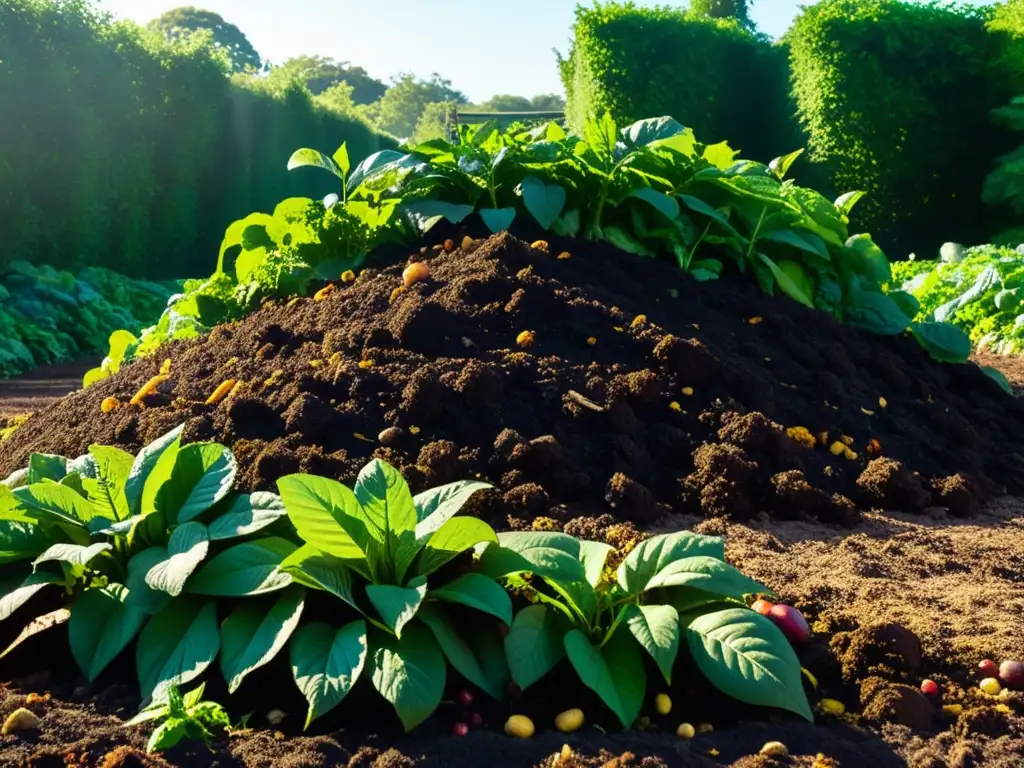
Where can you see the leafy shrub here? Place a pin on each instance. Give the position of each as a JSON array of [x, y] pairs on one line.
[[887, 91], [156, 548], [714, 75]]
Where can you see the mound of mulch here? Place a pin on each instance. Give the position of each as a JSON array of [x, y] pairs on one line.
[[642, 393]]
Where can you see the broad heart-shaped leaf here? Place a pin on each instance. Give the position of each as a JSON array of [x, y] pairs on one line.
[[186, 549], [254, 633], [656, 628], [397, 605], [250, 568], [664, 204], [233, 238], [544, 201], [203, 474], [451, 540], [534, 644], [387, 502], [22, 541], [554, 556], [593, 555], [652, 555], [312, 158], [176, 645], [53, 503], [46, 466], [708, 574], [476, 591], [13, 599], [327, 515], [945, 342], [644, 132], [747, 657], [615, 672], [482, 662], [101, 626], [248, 513], [497, 219], [141, 595], [144, 464], [108, 495], [315, 569], [326, 663], [437, 506], [409, 672], [378, 163], [428, 209], [248, 262], [74, 554]]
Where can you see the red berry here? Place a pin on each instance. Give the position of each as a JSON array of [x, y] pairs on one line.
[[1012, 674], [988, 668], [762, 606], [929, 688], [791, 622], [460, 729], [477, 720], [465, 698]]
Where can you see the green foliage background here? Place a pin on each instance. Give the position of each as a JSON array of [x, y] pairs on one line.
[[122, 149]]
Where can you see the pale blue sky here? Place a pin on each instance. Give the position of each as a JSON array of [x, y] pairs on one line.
[[483, 46]]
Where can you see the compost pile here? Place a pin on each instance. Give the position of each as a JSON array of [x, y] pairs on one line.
[[636, 392]]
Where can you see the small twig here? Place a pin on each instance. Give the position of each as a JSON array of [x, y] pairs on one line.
[[579, 399]]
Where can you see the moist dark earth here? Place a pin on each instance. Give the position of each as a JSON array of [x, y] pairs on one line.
[[641, 400]]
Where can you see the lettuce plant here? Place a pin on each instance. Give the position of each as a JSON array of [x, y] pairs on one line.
[[381, 551], [668, 589]]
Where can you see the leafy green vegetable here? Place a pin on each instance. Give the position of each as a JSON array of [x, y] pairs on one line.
[[182, 717]]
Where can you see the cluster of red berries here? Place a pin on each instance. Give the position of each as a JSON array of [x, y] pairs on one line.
[[475, 719]]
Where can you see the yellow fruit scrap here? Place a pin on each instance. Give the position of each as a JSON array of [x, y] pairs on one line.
[[396, 293], [414, 430], [832, 707], [348, 276], [315, 363], [638, 320], [569, 721], [801, 435], [686, 731], [222, 391], [293, 302], [618, 328], [837, 448], [366, 364], [592, 340], [990, 686], [810, 678], [1004, 709], [166, 367], [564, 255], [688, 391], [324, 292], [775, 749], [953, 710], [21, 719], [755, 320], [540, 245], [662, 704], [519, 726], [675, 406], [525, 339], [109, 404], [35, 698], [148, 388], [882, 402], [415, 272]]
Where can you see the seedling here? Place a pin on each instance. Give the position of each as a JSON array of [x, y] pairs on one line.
[[182, 717]]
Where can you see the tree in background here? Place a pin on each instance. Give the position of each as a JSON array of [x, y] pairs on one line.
[[547, 102], [400, 109], [724, 9], [226, 36], [321, 73]]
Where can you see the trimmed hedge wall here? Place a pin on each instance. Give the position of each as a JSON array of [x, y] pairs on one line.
[[896, 97], [710, 74], [122, 150]]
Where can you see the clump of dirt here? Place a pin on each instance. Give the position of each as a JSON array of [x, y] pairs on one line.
[[638, 392]]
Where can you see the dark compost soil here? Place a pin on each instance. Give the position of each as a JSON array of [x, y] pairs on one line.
[[645, 397]]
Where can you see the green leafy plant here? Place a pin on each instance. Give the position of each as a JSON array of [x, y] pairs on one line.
[[668, 589], [182, 717], [383, 553]]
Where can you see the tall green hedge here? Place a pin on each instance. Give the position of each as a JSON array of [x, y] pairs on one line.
[[896, 98], [712, 75], [121, 149]]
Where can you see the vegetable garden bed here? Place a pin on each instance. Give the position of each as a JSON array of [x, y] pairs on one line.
[[636, 399]]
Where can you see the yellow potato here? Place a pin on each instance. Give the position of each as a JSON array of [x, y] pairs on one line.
[[662, 704], [519, 726], [569, 721]]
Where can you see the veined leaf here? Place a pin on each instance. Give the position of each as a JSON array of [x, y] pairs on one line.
[[315, 569], [656, 628], [73, 554], [302, 158], [248, 513], [708, 574], [22, 540], [615, 672], [945, 342], [651, 555], [186, 549], [46, 466], [438, 505], [645, 132], [664, 204], [250, 568], [452, 539], [144, 464], [13, 599], [593, 555], [534, 644], [203, 474], [780, 165], [476, 591], [326, 663], [54, 503], [554, 556], [101, 626], [397, 605], [409, 672], [140, 595], [387, 503], [482, 662], [113, 468], [544, 201], [793, 281], [253, 634], [176, 645]]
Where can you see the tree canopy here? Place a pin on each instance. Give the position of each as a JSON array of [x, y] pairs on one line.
[[226, 36], [322, 72], [724, 9]]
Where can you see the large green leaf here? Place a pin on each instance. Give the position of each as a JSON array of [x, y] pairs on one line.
[[664, 204], [108, 493], [397, 605], [874, 312], [482, 662], [46, 466], [101, 626], [552, 555], [386, 500], [437, 506], [312, 158], [73, 554], [793, 281], [544, 201], [248, 513], [203, 474], [656, 628], [315, 569], [615, 671], [13, 599], [708, 574], [159, 476], [747, 657], [186, 549], [22, 541], [651, 555], [534, 644], [176, 645], [409, 672], [53, 503], [645, 132], [945, 342], [451, 540], [326, 663], [251, 568], [594, 555], [327, 515], [870, 259], [253, 634], [140, 594], [144, 464], [497, 219], [476, 591]]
